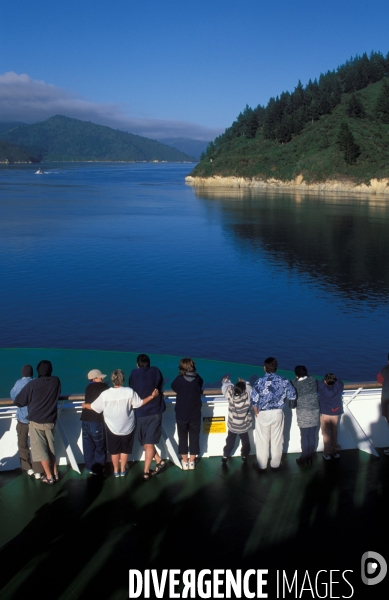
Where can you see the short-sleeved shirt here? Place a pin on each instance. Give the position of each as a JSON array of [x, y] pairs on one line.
[[271, 391], [117, 405], [92, 392]]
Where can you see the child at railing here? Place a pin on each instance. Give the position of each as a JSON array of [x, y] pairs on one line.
[[240, 419]]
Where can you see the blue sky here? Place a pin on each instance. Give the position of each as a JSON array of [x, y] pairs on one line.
[[172, 68]]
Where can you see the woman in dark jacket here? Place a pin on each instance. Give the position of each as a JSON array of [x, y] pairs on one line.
[[188, 387]]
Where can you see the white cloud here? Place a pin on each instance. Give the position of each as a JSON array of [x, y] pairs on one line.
[[30, 100]]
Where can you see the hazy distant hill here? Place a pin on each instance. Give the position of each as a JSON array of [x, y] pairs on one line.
[[65, 139], [334, 128], [192, 147], [10, 125]]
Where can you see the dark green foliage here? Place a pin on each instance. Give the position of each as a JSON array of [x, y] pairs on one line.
[[65, 139], [10, 154], [355, 107], [286, 115], [346, 142], [382, 105]]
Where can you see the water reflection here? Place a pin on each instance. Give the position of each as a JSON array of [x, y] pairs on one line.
[[337, 241]]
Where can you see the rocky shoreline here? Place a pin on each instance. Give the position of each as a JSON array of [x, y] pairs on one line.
[[376, 186]]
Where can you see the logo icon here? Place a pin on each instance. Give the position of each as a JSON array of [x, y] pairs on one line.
[[373, 568]]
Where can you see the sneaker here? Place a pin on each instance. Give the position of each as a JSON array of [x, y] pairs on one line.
[[30, 472], [336, 455], [117, 474], [191, 465], [244, 458], [185, 465], [327, 456], [38, 475], [386, 451], [224, 459], [124, 473]]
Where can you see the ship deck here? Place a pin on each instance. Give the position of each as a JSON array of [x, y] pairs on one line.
[[79, 537]]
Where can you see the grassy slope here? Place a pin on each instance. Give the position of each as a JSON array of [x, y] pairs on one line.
[[314, 153], [65, 139]]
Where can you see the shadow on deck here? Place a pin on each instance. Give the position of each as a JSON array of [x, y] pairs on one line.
[[79, 537]]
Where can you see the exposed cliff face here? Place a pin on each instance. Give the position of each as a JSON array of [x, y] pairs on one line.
[[376, 186]]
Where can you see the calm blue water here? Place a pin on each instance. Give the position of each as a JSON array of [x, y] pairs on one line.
[[127, 257]]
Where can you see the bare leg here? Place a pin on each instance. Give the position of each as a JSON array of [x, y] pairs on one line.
[[123, 462], [157, 457], [115, 462], [149, 455], [46, 468], [53, 462], [192, 457]]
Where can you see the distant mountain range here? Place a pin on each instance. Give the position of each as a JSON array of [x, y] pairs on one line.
[[64, 139], [192, 147], [10, 125]]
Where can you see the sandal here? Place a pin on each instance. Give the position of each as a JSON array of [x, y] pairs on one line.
[[44, 479], [148, 475], [56, 476], [161, 465]]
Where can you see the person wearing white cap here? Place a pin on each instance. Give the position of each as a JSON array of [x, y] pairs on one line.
[[93, 427]]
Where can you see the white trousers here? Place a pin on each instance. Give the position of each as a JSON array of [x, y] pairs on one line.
[[269, 437]]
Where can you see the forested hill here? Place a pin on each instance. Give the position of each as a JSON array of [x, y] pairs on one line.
[[336, 127], [65, 139], [11, 154]]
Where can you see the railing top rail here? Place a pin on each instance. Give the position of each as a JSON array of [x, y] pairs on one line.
[[207, 392]]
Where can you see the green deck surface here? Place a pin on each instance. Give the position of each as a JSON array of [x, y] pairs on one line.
[[79, 537]]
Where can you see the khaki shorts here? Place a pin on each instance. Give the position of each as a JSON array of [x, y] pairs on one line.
[[42, 441]]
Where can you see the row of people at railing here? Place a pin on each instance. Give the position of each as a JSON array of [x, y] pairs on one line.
[[108, 416]]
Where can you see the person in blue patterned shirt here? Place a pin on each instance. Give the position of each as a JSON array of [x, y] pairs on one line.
[[268, 399]]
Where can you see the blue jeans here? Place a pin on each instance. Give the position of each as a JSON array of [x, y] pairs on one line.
[[308, 441], [230, 443], [94, 445]]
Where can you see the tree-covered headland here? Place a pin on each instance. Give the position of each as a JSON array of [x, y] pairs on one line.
[[334, 128]]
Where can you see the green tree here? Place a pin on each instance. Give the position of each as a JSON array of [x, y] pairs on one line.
[[347, 144], [355, 107], [377, 66], [382, 106]]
